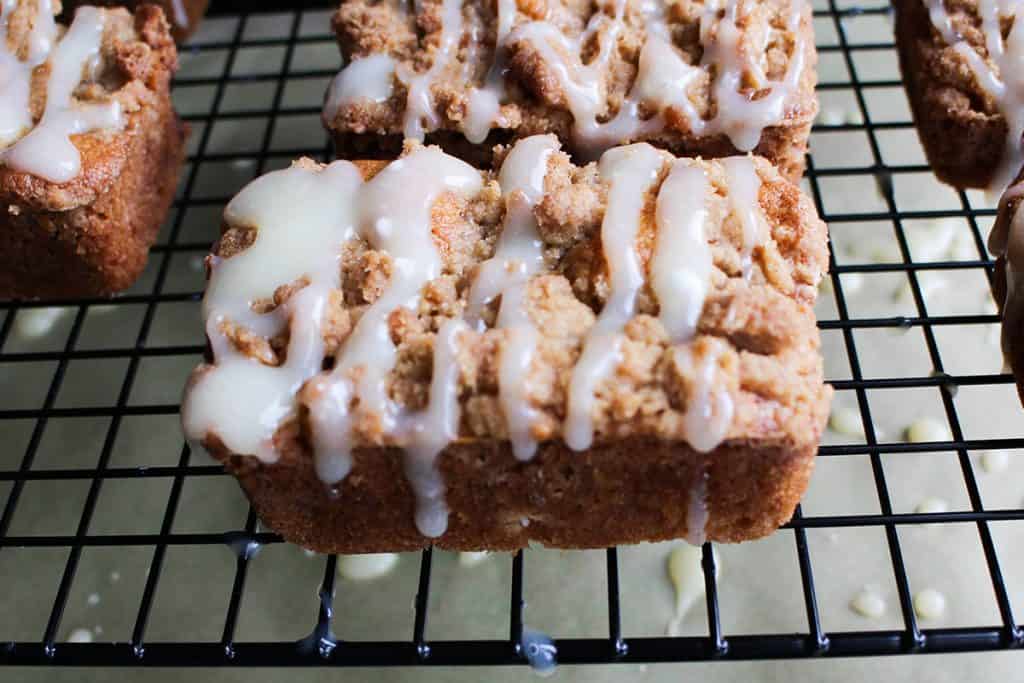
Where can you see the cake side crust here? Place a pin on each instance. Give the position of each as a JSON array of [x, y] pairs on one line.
[[628, 491], [963, 134], [91, 236]]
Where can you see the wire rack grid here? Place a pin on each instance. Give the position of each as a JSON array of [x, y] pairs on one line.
[[299, 28]]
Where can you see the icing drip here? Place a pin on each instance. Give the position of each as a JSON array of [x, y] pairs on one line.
[[47, 151], [681, 264], [697, 510], [15, 81], [420, 112], [744, 186], [739, 117], [180, 15], [367, 79], [485, 102], [432, 429], [44, 31], [239, 399], [631, 171], [710, 408], [518, 255], [1003, 80], [583, 85], [402, 229], [706, 422]]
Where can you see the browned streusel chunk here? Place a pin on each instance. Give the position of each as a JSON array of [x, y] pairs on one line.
[[91, 235], [756, 327], [183, 15], [775, 40]]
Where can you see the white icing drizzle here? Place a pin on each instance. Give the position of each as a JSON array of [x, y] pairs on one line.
[[681, 263], [369, 79], [485, 102], [239, 399], [583, 85], [738, 116], [662, 82], [420, 112], [15, 80], [180, 15], [432, 429], [744, 187], [663, 77], [518, 256], [706, 422], [394, 217], [710, 408], [47, 151], [631, 171], [1003, 80]]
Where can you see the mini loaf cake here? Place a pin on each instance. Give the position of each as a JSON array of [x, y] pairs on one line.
[[90, 147], [183, 15], [705, 79], [421, 352], [1007, 243], [959, 61]]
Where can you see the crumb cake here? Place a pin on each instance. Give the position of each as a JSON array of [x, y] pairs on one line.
[[421, 352], [90, 147], [958, 59], [1006, 242], [183, 15], [707, 79]]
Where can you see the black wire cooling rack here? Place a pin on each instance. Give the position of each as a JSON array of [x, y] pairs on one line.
[[832, 21]]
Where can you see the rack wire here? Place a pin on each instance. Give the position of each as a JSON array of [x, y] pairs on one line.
[[616, 646]]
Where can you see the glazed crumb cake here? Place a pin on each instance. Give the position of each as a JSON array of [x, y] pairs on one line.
[[90, 146], [709, 78], [959, 60], [421, 352]]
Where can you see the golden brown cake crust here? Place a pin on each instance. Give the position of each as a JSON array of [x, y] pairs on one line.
[[961, 129], [629, 491], [91, 236], [636, 482], [194, 11], [535, 103]]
